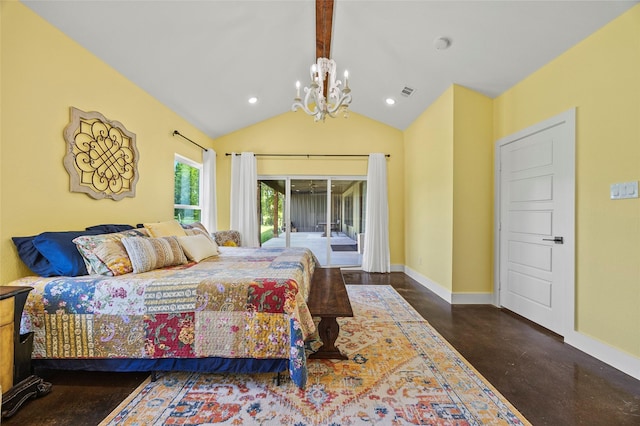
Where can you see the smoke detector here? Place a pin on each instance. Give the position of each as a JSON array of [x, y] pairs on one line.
[[442, 43]]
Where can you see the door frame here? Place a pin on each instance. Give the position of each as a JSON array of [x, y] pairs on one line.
[[568, 119]]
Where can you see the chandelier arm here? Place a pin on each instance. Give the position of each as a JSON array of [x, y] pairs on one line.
[[336, 92], [298, 103], [309, 92], [346, 99]]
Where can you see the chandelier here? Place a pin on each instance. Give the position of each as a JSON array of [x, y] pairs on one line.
[[325, 95]]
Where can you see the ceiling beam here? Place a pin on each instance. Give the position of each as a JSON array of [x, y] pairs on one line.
[[324, 24]]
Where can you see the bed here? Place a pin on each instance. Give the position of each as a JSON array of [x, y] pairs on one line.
[[243, 310]]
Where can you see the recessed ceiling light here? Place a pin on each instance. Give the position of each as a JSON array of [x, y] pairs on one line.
[[390, 101], [253, 100]]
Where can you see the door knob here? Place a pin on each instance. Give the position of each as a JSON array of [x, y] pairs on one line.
[[557, 240]]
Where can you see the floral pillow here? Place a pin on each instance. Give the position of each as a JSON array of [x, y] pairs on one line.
[[230, 238], [105, 254]]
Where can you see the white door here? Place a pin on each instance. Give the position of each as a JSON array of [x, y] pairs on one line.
[[536, 223]]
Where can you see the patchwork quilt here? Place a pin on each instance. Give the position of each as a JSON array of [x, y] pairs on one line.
[[244, 303]]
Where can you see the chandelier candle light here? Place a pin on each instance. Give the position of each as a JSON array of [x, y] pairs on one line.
[[320, 102]]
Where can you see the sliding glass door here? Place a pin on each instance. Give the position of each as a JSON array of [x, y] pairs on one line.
[[324, 214]]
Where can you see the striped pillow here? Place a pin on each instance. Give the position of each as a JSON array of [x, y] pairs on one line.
[[147, 254]]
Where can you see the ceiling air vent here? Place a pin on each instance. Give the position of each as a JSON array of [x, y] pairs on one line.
[[407, 91]]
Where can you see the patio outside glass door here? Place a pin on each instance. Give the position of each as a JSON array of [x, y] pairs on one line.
[[271, 209], [324, 214]]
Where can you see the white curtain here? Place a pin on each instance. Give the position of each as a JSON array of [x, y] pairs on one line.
[[376, 257], [210, 205], [244, 194]]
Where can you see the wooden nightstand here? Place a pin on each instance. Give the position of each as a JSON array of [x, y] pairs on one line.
[[15, 353]]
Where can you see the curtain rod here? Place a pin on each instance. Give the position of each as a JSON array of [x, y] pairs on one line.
[[309, 155], [175, 132]]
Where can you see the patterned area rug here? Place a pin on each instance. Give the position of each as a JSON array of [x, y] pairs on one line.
[[400, 371]]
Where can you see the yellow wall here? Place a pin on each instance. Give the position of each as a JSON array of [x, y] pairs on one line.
[[448, 192], [473, 192], [43, 74], [297, 133], [600, 77], [429, 192], [2, 246]]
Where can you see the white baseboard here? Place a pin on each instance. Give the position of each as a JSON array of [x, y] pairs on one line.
[[397, 268], [472, 298], [616, 358], [394, 268], [452, 298], [440, 291]]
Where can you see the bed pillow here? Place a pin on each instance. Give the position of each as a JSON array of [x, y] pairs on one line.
[[61, 253], [109, 228], [197, 228], [35, 261], [229, 238], [104, 254], [195, 225], [198, 247], [169, 228], [147, 254], [198, 231]]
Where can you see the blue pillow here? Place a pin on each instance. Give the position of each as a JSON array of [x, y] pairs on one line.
[[110, 228], [31, 257], [61, 252], [53, 254]]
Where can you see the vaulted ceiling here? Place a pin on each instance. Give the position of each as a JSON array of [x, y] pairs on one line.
[[205, 59]]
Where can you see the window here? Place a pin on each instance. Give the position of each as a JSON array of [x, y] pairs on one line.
[[187, 190]]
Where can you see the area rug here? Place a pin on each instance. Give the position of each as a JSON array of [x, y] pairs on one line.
[[400, 371]]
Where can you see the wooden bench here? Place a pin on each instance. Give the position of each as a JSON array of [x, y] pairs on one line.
[[328, 299]]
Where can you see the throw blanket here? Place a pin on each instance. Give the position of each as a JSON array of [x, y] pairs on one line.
[[244, 303]]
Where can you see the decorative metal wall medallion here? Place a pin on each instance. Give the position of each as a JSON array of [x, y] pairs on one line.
[[101, 158]]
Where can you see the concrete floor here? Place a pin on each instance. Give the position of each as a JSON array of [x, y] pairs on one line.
[[321, 246]]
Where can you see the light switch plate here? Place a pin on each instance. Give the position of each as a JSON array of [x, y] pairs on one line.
[[615, 191], [624, 190]]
